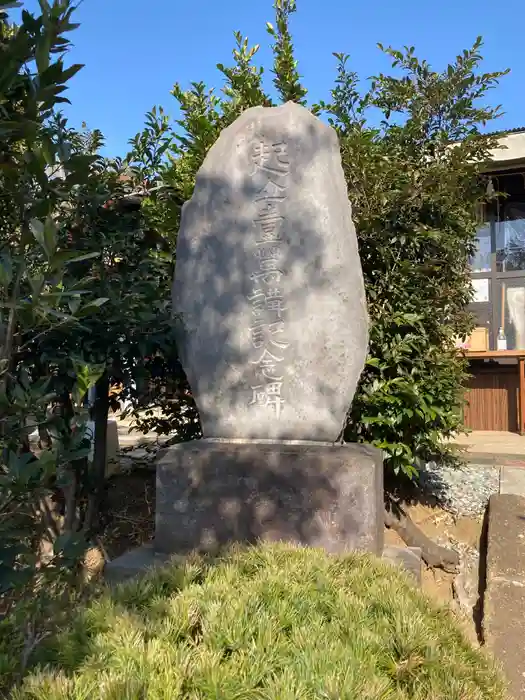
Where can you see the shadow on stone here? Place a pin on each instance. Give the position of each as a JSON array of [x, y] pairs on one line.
[[272, 321], [213, 492]]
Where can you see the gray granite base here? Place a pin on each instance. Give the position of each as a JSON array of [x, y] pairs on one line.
[[213, 492]]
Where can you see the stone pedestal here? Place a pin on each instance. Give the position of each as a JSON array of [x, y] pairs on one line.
[[212, 492]]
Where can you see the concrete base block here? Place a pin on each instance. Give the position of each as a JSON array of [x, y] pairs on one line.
[[133, 563], [504, 602], [212, 492], [512, 481], [408, 558]]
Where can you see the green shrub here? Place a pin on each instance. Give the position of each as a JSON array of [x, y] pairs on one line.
[[267, 622], [414, 202]]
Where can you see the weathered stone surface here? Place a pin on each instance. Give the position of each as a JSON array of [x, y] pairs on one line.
[[136, 562], [212, 492], [504, 600], [407, 558], [268, 284]]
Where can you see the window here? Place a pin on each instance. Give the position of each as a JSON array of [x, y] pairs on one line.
[[510, 305], [498, 265], [481, 262], [510, 238]]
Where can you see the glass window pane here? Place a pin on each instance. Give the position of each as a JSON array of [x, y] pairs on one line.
[[481, 288], [512, 321], [481, 261], [510, 238]]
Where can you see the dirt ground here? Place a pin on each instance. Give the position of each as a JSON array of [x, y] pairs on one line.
[[131, 508], [131, 512], [463, 533]]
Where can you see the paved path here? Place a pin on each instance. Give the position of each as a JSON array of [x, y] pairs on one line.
[[490, 446]]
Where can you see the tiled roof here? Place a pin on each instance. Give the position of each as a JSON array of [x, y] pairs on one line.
[[506, 132]]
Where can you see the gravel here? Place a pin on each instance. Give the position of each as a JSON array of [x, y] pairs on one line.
[[465, 490]]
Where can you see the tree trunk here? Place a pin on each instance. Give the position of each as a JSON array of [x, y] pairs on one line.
[[433, 554], [98, 468]]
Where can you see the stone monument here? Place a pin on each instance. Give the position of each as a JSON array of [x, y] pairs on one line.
[[272, 333], [268, 283]]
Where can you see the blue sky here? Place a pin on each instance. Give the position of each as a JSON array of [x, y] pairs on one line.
[[134, 51]]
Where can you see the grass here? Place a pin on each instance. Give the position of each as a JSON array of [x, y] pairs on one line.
[[272, 622]]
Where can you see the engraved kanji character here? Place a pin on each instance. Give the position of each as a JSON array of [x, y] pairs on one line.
[[269, 237], [259, 396], [267, 360], [269, 224], [271, 158], [274, 293], [257, 298], [273, 251], [281, 151], [276, 403], [258, 334], [264, 373], [267, 276], [267, 396], [267, 209], [275, 304], [257, 294], [261, 153], [269, 265], [269, 375], [274, 388], [274, 329], [272, 190]]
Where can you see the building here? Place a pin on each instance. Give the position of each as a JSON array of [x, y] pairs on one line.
[[497, 347]]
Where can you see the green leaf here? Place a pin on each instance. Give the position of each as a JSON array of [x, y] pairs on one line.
[[37, 229], [37, 284], [373, 362], [45, 234], [91, 306], [6, 270], [50, 237], [87, 375], [74, 304], [68, 73], [61, 543], [48, 461], [69, 257], [42, 52]]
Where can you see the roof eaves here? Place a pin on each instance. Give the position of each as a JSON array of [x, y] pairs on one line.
[[506, 132]]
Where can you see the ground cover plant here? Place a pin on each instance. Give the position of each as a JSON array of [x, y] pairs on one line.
[[273, 622]]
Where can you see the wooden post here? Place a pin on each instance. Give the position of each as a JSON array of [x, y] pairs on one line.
[[521, 395]]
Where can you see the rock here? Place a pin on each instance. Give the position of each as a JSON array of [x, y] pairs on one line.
[[407, 558], [268, 289], [136, 562], [140, 454], [466, 584]]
